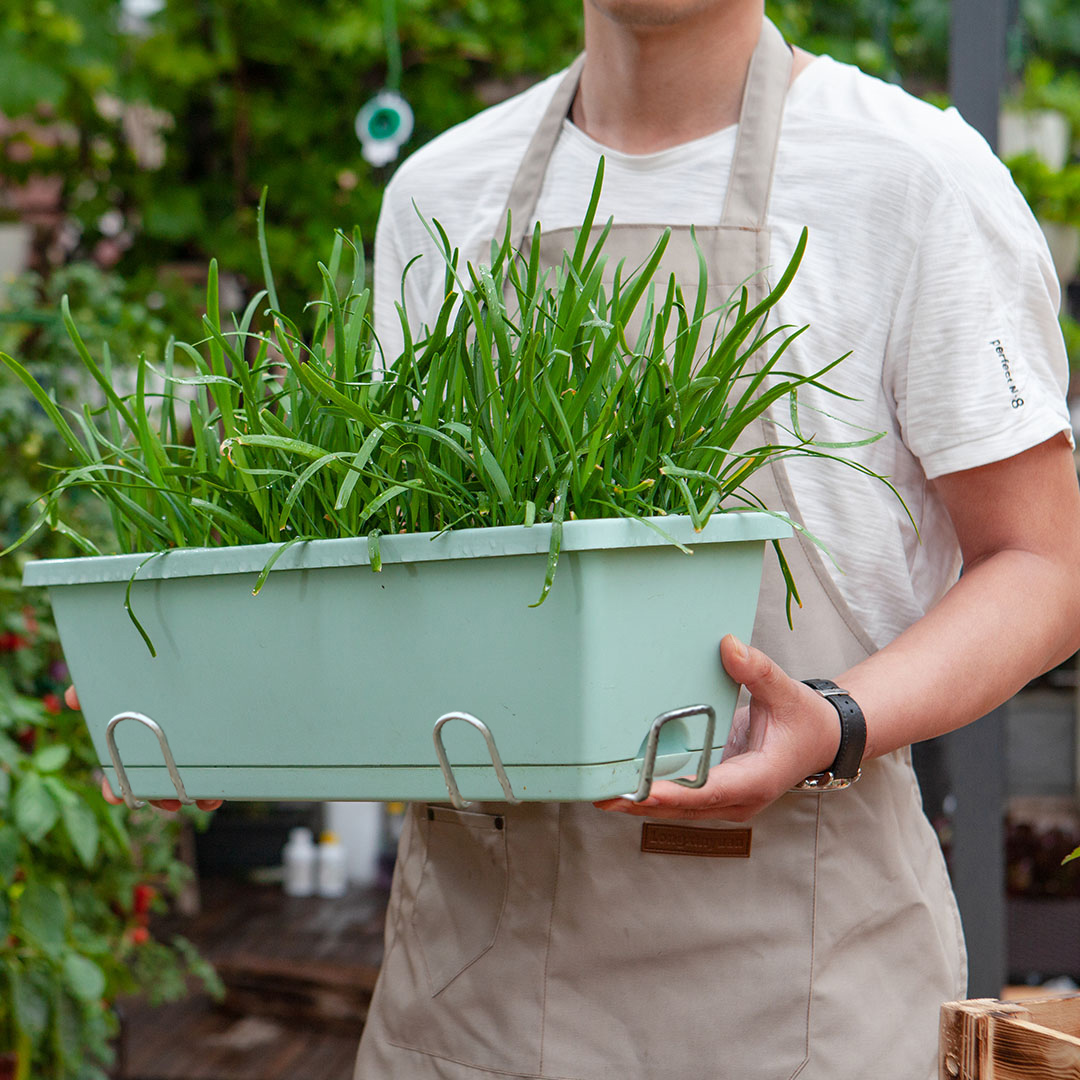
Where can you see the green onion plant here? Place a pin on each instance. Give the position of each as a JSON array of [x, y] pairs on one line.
[[529, 398]]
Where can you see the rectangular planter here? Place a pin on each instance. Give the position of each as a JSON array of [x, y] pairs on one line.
[[328, 684]]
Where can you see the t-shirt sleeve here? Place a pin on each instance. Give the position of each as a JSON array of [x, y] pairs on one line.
[[976, 362]]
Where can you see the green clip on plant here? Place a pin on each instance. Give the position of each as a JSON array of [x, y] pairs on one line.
[[527, 400]]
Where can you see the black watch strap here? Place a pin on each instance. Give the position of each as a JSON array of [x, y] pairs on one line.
[[844, 770]]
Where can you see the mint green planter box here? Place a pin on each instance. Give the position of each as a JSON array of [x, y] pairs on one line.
[[329, 683]]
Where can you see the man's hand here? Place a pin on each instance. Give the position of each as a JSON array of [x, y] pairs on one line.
[[1010, 616], [72, 701], [788, 732]]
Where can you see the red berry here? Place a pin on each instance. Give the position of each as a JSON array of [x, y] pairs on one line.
[[142, 897], [52, 704], [140, 935]]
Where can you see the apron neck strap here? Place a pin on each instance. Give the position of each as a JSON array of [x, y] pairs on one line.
[[525, 190], [750, 184]]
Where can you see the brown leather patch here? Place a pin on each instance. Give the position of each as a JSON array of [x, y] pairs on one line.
[[688, 840]]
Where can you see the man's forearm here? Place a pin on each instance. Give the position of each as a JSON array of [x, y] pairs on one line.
[[1013, 614], [1011, 617]]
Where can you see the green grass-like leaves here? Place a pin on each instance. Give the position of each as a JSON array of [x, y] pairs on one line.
[[533, 397]]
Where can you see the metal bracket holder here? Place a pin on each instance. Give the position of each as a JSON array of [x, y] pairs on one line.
[[456, 799], [166, 753], [648, 766]]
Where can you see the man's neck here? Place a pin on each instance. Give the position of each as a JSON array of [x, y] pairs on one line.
[[647, 87]]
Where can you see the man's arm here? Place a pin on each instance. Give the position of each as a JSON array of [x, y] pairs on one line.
[[1014, 614]]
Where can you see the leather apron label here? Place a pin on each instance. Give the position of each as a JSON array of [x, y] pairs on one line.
[[691, 840]]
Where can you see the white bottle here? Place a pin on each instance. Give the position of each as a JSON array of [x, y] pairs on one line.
[[358, 826], [299, 857], [333, 877]]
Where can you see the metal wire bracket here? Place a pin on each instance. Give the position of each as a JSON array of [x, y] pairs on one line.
[[166, 753], [456, 799], [648, 766]]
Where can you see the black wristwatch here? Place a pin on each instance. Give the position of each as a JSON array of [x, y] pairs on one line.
[[844, 770]]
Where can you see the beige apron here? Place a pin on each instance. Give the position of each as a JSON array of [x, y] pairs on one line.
[[540, 940]]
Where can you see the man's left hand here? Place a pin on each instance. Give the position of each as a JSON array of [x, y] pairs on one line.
[[788, 732]]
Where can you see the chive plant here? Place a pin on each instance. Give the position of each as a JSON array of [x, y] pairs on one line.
[[528, 399]]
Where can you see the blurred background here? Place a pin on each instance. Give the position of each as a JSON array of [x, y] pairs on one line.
[[135, 139]]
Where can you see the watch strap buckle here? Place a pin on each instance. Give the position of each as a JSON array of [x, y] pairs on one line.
[[826, 781]]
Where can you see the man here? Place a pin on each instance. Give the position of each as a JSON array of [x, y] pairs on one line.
[[554, 946], [551, 941]]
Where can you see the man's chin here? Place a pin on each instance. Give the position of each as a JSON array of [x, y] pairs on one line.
[[645, 13]]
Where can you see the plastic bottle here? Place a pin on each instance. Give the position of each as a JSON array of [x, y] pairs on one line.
[[299, 857], [358, 826], [333, 877]]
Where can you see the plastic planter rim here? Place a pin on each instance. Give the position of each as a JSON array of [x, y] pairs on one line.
[[579, 535]]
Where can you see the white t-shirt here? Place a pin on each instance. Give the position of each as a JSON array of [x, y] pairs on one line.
[[923, 261]]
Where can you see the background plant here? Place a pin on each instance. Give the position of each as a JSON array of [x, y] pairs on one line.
[[1045, 87], [1053, 194], [161, 131], [78, 879]]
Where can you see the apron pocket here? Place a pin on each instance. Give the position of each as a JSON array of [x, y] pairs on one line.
[[462, 892]]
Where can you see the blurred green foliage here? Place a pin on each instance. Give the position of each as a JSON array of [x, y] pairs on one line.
[[1053, 194], [265, 92], [900, 40], [78, 878], [1050, 29], [164, 129], [247, 93]]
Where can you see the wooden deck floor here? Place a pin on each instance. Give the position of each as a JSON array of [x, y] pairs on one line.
[[299, 973], [195, 1041]]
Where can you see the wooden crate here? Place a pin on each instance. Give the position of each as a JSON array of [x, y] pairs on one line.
[[988, 1039]]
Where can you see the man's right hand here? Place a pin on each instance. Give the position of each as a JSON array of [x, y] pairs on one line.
[[72, 701]]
